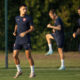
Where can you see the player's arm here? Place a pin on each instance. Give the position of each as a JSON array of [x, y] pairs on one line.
[[76, 33], [53, 30], [28, 31], [54, 27], [15, 30]]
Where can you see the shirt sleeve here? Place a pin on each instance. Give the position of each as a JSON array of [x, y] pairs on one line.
[[58, 22], [79, 23], [31, 22], [15, 21]]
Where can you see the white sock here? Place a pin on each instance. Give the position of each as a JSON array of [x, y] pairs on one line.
[[18, 68], [50, 47], [32, 69], [62, 63]]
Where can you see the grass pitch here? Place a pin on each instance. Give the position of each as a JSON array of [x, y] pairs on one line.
[[45, 67]]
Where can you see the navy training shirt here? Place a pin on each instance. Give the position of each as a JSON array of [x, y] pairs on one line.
[[23, 24], [78, 22], [59, 33]]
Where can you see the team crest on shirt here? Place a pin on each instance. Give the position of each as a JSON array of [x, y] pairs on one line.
[[24, 19]]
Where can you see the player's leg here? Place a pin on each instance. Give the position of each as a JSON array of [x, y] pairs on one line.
[[15, 56], [60, 50], [31, 62], [17, 62], [48, 38], [60, 44], [16, 49]]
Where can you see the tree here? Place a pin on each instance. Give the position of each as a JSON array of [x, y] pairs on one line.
[[38, 9]]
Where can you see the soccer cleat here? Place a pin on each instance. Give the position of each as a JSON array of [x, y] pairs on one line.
[[49, 53], [62, 68], [18, 74], [32, 75]]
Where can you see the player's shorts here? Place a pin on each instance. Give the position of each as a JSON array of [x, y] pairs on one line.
[[59, 40], [26, 46]]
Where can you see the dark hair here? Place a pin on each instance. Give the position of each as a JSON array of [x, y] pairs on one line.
[[52, 11], [22, 5], [79, 7]]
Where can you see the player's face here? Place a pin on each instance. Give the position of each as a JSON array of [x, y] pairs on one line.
[[79, 11], [51, 15], [23, 10]]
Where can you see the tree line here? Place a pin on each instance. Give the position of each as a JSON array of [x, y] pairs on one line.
[[38, 9]]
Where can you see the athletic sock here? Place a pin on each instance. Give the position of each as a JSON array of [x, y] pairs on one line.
[[32, 69], [62, 63], [18, 68], [50, 47]]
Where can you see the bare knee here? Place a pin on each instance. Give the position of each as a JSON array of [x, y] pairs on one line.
[[47, 36], [15, 54]]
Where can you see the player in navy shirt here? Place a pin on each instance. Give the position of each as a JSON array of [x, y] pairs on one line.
[[57, 35], [78, 29], [78, 25], [24, 26]]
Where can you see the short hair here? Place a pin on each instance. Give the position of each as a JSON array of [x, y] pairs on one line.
[[22, 5], [79, 7], [52, 11]]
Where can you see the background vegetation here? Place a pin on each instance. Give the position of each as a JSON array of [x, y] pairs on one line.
[[38, 9]]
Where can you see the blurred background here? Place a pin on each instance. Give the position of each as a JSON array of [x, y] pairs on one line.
[[45, 66], [38, 9]]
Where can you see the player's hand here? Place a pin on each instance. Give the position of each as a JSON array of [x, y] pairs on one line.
[[14, 33], [49, 26], [53, 30], [22, 34], [74, 35]]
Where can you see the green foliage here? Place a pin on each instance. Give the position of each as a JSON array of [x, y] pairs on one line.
[[38, 9]]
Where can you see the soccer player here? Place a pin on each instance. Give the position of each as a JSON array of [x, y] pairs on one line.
[[24, 26], [78, 23], [57, 35]]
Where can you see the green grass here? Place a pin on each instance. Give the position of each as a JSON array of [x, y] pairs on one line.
[[45, 67], [44, 74]]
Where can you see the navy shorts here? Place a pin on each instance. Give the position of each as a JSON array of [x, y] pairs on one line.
[[18, 46], [59, 40]]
